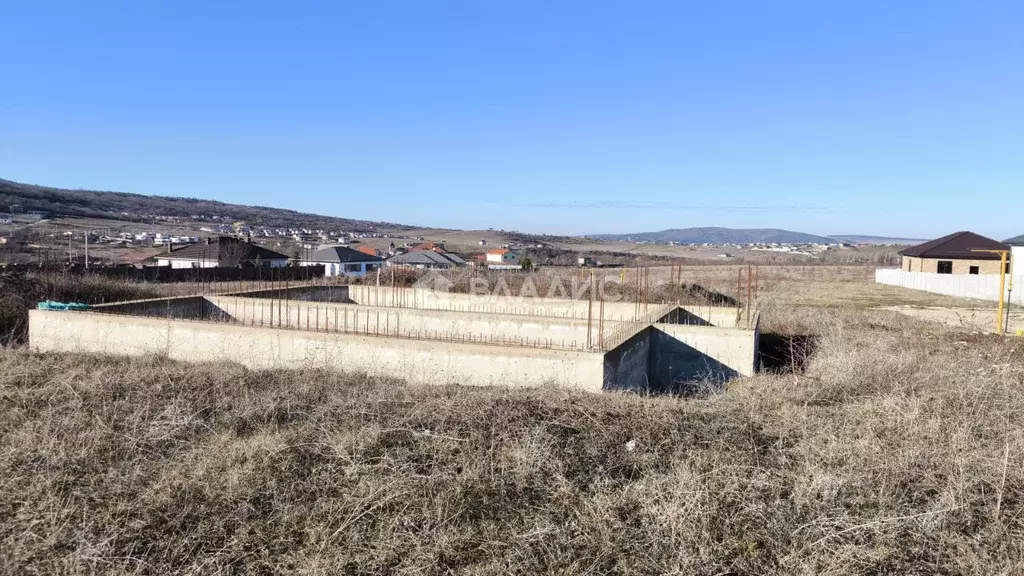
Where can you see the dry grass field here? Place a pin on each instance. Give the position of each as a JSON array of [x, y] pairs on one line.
[[877, 443]]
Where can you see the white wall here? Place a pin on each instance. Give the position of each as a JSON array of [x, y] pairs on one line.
[[981, 287], [503, 258], [1017, 255], [344, 269], [186, 263]]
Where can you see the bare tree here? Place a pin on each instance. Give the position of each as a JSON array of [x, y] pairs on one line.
[[233, 252]]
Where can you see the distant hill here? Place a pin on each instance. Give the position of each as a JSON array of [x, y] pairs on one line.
[[125, 206], [719, 236], [877, 240]]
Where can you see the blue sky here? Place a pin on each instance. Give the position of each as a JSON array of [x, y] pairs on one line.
[[890, 118]]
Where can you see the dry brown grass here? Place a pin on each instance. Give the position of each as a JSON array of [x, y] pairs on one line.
[[894, 447], [898, 451]]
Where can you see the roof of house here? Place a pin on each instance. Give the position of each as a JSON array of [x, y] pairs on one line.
[[342, 254], [959, 245], [428, 246], [220, 249], [499, 251], [428, 258], [368, 250], [1015, 241]]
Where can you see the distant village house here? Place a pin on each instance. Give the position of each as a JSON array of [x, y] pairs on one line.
[[222, 251], [343, 261], [427, 259], [502, 256]]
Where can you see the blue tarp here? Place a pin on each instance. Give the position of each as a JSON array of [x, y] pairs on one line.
[[51, 305]]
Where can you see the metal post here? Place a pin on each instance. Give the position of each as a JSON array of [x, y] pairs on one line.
[[1000, 327], [1002, 285]]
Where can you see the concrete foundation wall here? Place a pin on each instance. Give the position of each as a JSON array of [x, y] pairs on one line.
[[407, 321], [419, 362], [446, 338], [552, 307], [701, 352], [191, 307], [627, 367], [338, 293]]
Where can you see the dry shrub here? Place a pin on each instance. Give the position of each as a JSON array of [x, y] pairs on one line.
[[910, 448]]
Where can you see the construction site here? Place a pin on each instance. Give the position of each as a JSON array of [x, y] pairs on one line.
[[425, 336]]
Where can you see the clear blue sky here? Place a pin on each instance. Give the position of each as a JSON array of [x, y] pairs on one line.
[[895, 117]]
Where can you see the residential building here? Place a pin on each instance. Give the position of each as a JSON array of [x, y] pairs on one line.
[[1017, 254], [369, 251], [5, 219], [958, 253], [343, 261], [427, 259], [439, 248], [502, 256], [221, 251]]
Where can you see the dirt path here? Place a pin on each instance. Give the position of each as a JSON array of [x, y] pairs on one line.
[[979, 319]]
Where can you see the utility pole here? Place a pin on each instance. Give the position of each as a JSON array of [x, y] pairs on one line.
[[86, 249]]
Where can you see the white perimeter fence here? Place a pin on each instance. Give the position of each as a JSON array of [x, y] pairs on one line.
[[981, 286]]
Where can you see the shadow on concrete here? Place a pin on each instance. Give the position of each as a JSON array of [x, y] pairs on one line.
[[330, 293], [656, 363], [785, 353], [179, 308], [627, 367], [677, 368]]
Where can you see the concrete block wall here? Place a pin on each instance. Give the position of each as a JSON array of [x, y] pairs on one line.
[[416, 361]]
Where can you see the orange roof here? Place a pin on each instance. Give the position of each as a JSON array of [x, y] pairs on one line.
[[367, 250], [499, 251], [428, 246]]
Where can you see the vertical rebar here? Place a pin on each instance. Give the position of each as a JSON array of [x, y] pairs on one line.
[[755, 282], [748, 294]]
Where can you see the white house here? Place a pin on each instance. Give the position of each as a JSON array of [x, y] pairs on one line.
[[223, 251], [1016, 254], [426, 259], [502, 256], [343, 261]]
